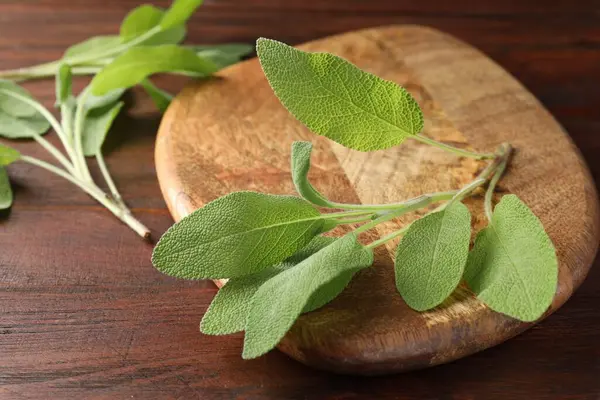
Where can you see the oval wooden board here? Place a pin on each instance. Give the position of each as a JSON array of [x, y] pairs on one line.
[[231, 133]]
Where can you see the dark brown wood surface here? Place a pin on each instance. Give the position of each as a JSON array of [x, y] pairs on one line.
[[84, 315]]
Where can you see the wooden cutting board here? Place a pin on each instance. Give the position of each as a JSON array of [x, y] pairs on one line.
[[231, 133]]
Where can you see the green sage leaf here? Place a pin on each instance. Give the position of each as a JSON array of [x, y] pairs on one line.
[[8, 155], [144, 18], [431, 258], [138, 63], [96, 126], [300, 166], [140, 20], [238, 234], [513, 267], [280, 300], [92, 101], [6, 194], [336, 99], [12, 127], [97, 45], [179, 12], [160, 98], [224, 55], [64, 80], [13, 106], [228, 311]]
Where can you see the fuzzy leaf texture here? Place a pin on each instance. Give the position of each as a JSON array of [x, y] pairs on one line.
[[431, 258], [6, 195], [160, 98], [238, 234], [179, 12], [300, 166], [96, 126], [138, 63], [513, 267], [279, 301], [8, 155], [228, 311], [336, 99]]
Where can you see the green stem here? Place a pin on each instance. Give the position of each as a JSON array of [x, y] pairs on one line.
[[492, 186], [116, 50], [452, 149], [94, 192], [55, 125], [109, 181], [407, 206], [55, 152], [389, 237], [440, 196], [80, 114], [354, 220]]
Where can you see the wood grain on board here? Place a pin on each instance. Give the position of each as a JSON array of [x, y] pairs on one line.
[[84, 315], [231, 133]]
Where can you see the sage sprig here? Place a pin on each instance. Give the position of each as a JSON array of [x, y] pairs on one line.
[[149, 33], [272, 248], [148, 43]]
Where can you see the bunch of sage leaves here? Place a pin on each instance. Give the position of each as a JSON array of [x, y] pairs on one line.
[[148, 43], [272, 249]]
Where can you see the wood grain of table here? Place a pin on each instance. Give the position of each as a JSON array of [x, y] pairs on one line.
[[83, 314]]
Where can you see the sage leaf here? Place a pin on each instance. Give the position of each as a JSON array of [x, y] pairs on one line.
[[6, 194], [179, 12], [280, 300], [238, 234], [140, 20], [160, 98], [97, 45], [138, 63], [224, 55], [228, 311], [12, 105], [336, 99], [8, 155], [12, 127], [96, 126], [64, 79], [513, 267], [431, 258], [300, 165], [90, 101], [144, 18]]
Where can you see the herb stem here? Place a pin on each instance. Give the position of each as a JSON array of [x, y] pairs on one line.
[[80, 114], [116, 50], [408, 206], [55, 152], [439, 196], [55, 125], [389, 237], [492, 186], [452, 149], [354, 220], [125, 216], [109, 181]]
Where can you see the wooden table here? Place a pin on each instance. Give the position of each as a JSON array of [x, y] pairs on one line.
[[83, 314]]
